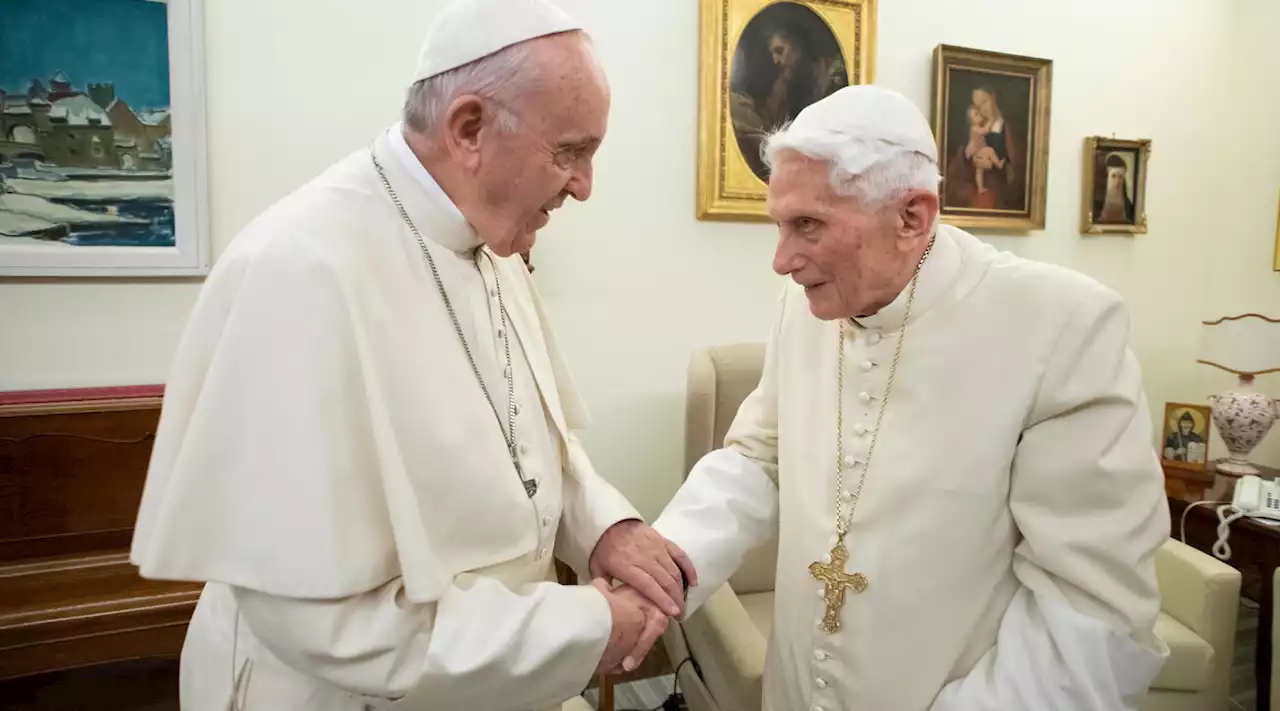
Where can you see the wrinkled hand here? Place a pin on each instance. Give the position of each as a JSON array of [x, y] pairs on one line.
[[635, 620], [635, 554], [628, 648]]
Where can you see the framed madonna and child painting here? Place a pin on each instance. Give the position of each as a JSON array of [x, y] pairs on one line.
[[991, 122], [761, 63]]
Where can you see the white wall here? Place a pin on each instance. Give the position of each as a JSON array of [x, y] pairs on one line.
[[634, 283]]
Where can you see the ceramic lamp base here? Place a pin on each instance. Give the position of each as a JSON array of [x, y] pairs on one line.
[[1235, 467], [1243, 418]]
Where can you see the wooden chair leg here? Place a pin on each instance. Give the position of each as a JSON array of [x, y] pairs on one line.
[[606, 694]]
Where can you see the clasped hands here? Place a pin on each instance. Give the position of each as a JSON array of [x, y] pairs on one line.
[[650, 590]]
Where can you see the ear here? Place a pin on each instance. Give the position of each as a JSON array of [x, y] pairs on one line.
[[463, 128], [916, 214]]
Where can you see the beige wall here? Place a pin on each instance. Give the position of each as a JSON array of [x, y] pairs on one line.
[[634, 283]]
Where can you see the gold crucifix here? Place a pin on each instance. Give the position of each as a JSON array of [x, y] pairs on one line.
[[837, 581]]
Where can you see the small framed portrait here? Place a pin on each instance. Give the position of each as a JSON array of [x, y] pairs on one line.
[[1115, 186], [1184, 443], [991, 122], [762, 62]]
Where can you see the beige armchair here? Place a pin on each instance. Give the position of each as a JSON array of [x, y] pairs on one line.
[[726, 639], [1275, 648]]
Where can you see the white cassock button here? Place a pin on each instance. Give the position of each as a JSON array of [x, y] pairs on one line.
[[873, 337], [846, 495], [864, 397], [542, 554], [502, 333], [517, 408], [820, 591], [867, 366], [546, 521], [820, 655], [826, 559], [850, 460], [506, 372], [822, 683], [524, 448], [859, 430], [832, 540], [493, 292]]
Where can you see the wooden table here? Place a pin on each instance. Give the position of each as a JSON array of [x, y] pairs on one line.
[[1255, 550]]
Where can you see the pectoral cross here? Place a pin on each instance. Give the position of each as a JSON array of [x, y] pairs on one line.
[[837, 581], [530, 485]]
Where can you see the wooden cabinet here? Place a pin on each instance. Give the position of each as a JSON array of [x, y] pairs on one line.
[[72, 467]]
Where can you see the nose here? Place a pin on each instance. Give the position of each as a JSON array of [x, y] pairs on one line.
[[785, 259], [580, 182]]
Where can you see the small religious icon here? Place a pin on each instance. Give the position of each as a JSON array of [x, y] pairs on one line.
[[836, 581]]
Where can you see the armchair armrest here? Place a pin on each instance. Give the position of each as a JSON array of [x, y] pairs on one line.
[[1275, 648], [1198, 590], [729, 649]]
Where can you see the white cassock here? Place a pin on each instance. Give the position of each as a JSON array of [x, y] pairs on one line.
[[1008, 523], [327, 461]]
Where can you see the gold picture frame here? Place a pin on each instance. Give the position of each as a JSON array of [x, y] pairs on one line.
[[1120, 207], [743, 92], [1186, 449], [1276, 265], [991, 123]]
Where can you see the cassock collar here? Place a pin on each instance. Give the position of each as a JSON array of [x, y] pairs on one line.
[[428, 206], [936, 277]]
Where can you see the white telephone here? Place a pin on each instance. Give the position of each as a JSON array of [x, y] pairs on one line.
[[1257, 498]]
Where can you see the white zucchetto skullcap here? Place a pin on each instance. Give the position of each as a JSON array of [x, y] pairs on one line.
[[864, 123], [468, 30]]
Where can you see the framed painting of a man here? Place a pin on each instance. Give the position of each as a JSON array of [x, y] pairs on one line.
[[762, 62], [991, 122], [1115, 186], [1184, 442], [102, 152]]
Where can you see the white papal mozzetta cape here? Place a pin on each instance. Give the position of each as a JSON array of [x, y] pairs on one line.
[[1010, 517], [327, 461]]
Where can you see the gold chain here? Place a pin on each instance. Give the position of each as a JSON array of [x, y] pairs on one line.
[[842, 522]]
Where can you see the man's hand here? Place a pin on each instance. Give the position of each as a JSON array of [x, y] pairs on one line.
[[633, 619], [655, 624], [634, 553]]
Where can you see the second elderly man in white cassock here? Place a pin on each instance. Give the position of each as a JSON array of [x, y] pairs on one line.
[[367, 448], [952, 444]]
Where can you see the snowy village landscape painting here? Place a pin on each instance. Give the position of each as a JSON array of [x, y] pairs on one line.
[[102, 138]]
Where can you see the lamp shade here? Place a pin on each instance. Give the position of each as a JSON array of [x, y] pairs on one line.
[[1248, 344]]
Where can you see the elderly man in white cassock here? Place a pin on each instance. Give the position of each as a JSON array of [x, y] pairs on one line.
[[951, 443], [368, 446]]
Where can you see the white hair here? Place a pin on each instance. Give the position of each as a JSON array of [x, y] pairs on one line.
[[502, 76], [874, 172]]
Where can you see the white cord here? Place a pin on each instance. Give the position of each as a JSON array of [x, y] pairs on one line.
[[1221, 548], [1187, 510]]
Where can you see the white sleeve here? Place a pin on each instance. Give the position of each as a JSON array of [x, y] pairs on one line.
[[591, 506], [727, 507], [1087, 495], [480, 646], [729, 503]]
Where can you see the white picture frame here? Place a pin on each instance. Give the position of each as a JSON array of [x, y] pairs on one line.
[[190, 254]]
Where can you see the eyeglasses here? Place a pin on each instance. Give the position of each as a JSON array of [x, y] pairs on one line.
[[565, 158]]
